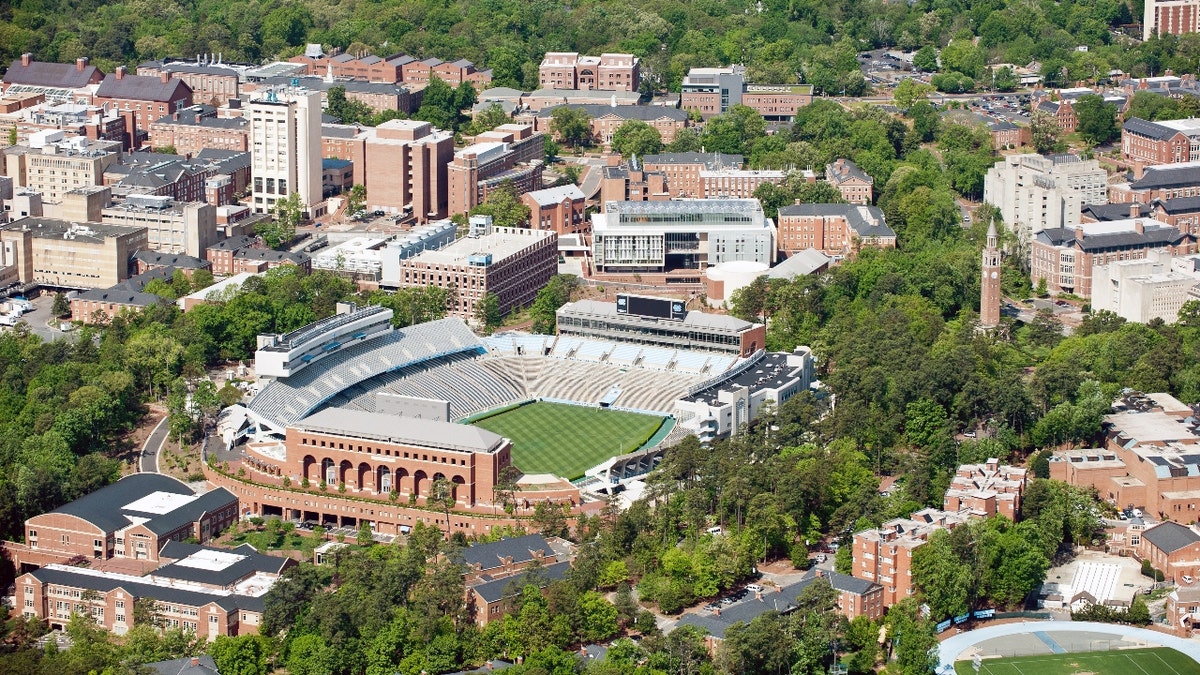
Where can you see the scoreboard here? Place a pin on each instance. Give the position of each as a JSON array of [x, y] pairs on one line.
[[657, 308]]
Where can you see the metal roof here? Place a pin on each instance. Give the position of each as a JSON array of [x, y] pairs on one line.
[[402, 430]]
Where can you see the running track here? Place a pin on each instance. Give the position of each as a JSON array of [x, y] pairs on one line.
[[952, 648]]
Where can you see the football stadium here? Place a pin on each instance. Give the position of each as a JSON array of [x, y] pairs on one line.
[[355, 409]]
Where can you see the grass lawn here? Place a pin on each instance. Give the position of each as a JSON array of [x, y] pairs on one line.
[[1158, 661], [567, 440]]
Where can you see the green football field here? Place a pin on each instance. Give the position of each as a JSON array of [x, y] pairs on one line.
[[1158, 661], [567, 440]]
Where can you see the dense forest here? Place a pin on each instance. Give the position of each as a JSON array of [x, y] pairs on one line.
[[780, 41]]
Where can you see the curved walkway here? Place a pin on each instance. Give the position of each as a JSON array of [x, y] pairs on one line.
[[952, 648]]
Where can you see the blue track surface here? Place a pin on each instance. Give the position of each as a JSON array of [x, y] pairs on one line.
[[1055, 648]]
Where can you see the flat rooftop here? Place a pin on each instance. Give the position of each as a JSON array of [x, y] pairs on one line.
[[771, 372], [500, 245], [54, 228], [411, 431], [1150, 427]]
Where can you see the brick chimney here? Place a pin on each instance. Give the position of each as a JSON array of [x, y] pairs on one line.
[[1139, 169], [165, 77], [1139, 227], [26, 59], [195, 661], [1079, 232], [81, 63], [120, 72], [1135, 210]]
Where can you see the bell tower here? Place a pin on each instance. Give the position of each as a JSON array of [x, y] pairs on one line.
[[989, 282]]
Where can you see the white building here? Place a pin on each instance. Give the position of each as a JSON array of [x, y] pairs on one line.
[[660, 236], [359, 255], [1143, 290], [285, 148], [726, 408], [1034, 192]]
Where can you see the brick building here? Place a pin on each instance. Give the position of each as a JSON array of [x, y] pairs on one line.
[[221, 254], [132, 518], [681, 170], [512, 263], [1062, 112], [736, 183], [1064, 257], [711, 91], [211, 83], [1162, 142], [195, 128], [142, 100], [1149, 459], [1170, 17], [856, 186], [510, 152], [985, 490], [58, 82], [837, 230], [605, 119], [405, 168], [609, 72], [631, 182], [561, 209], [348, 142], [1172, 548], [884, 555], [1151, 183]]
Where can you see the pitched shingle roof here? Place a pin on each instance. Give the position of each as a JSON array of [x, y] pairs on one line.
[[1141, 127], [519, 549], [867, 221], [495, 590], [47, 74], [1169, 537], [143, 88], [103, 508], [1168, 177]]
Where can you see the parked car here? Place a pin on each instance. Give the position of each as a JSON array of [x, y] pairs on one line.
[[754, 588]]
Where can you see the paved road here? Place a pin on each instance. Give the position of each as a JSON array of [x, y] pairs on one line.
[[953, 648], [153, 447]]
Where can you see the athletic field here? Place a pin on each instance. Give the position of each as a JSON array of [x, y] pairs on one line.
[[1157, 661], [566, 440]]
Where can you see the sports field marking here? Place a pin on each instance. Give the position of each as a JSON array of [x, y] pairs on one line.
[[1135, 663], [1160, 660]]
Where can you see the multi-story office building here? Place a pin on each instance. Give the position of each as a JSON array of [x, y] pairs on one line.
[[1143, 290], [1170, 17], [69, 255], [210, 81], [561, 209], [681, 170], [141, 100], [686, 235], [711, 91], [1162, 142], [404, 168], [605, 119], [1034, 192], [1065, 257], [837, 230], [171, 227], [510, 152], [285, 149], [511, 263], [610, 72], [193, 129], [53, 165]]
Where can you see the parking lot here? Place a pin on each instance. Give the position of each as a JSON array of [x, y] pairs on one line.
[[39, 320]]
